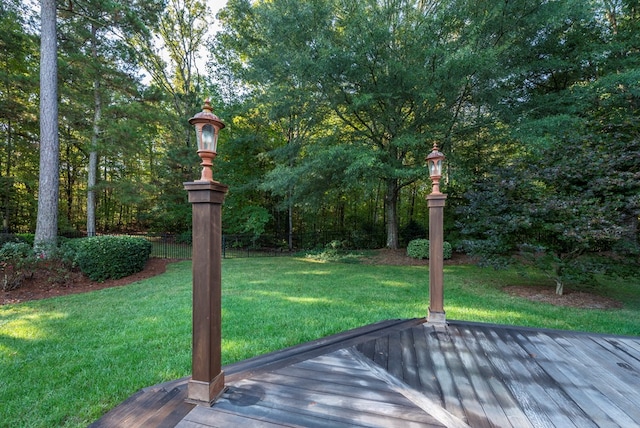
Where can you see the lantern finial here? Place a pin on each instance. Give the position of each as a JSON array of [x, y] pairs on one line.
[[207, 106]]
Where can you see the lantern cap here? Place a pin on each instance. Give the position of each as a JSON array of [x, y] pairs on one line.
[[206, 116], [435, 153]]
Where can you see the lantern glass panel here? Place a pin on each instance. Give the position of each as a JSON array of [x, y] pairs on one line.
[[208, 140], [435, 167]]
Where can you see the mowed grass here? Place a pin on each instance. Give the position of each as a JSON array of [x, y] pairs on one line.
[[66, 361]]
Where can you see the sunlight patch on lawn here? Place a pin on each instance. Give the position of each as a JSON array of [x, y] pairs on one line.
[[313, 260], [279, 295], [311, 272], [397, 284], [467, 313], [308, 300], [29, 327]]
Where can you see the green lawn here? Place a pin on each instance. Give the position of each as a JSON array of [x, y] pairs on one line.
[[66, 361]]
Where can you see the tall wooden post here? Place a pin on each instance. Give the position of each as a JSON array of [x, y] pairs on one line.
[[207, 379], [436, 202]]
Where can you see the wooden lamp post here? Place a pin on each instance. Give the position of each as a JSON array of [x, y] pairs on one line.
[[206, 196], [436, 202]]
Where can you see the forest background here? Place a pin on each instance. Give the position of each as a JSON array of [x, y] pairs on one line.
[[331, 107]]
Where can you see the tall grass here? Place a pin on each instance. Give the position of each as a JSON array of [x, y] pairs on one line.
[[66, 361]]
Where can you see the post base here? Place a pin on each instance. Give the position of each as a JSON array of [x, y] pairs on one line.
[[438, 318], [205, 393]]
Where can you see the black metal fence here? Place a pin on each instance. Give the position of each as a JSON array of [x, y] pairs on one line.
[[178, 246], [236, 246], [168, 247]]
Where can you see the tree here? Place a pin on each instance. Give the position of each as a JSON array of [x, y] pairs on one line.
[[18, 128], [47, 222], [568, 204], [568, 217], [181, 33], [103, 31], [380, 67]]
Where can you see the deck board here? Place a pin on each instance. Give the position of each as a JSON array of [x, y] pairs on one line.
[[428, 381], [468, 400], [513, 376], [489, 412], [562, 367], [499, 391], [407, 373], [438, 342], [291, 395]]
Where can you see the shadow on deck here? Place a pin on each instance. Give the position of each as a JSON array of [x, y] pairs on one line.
[[408, 373]]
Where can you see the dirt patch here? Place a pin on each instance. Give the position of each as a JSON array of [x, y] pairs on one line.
[[575, 299], [399, 258], [51, 281]]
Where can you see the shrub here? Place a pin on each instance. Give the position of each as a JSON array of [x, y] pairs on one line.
[[68, 251], [104, 257], [447, 250], [27, 238], [17, 262], [185, 237], [7, 237], [419, 249], [334, 251]]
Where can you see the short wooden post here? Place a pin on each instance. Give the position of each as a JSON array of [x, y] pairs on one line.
[[436, 314], [207, 379]]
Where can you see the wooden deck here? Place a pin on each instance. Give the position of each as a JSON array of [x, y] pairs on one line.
[[406, 373]]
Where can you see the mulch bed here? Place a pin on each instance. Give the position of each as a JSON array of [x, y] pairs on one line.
[[571, 298], [50, 282]]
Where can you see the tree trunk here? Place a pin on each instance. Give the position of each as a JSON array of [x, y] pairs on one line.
[[558, 280], [290, 219], [391, 211], [93, 154], [70, 182], [7, 178], [47, 219]]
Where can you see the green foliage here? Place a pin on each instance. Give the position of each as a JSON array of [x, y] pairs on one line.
[[565, 217], [7, 237], [68, 251], [412, 230], [364, 84], [185, 237], [334, 251], [419, 249], [104, 257], [17, 261], [329, 138], [11, 250], [27, 238], [367, 237], [256, 220]]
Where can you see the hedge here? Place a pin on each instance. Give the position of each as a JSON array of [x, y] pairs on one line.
[[112, 257]]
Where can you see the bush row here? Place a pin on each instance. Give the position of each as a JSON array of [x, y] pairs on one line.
[[100, 258]]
